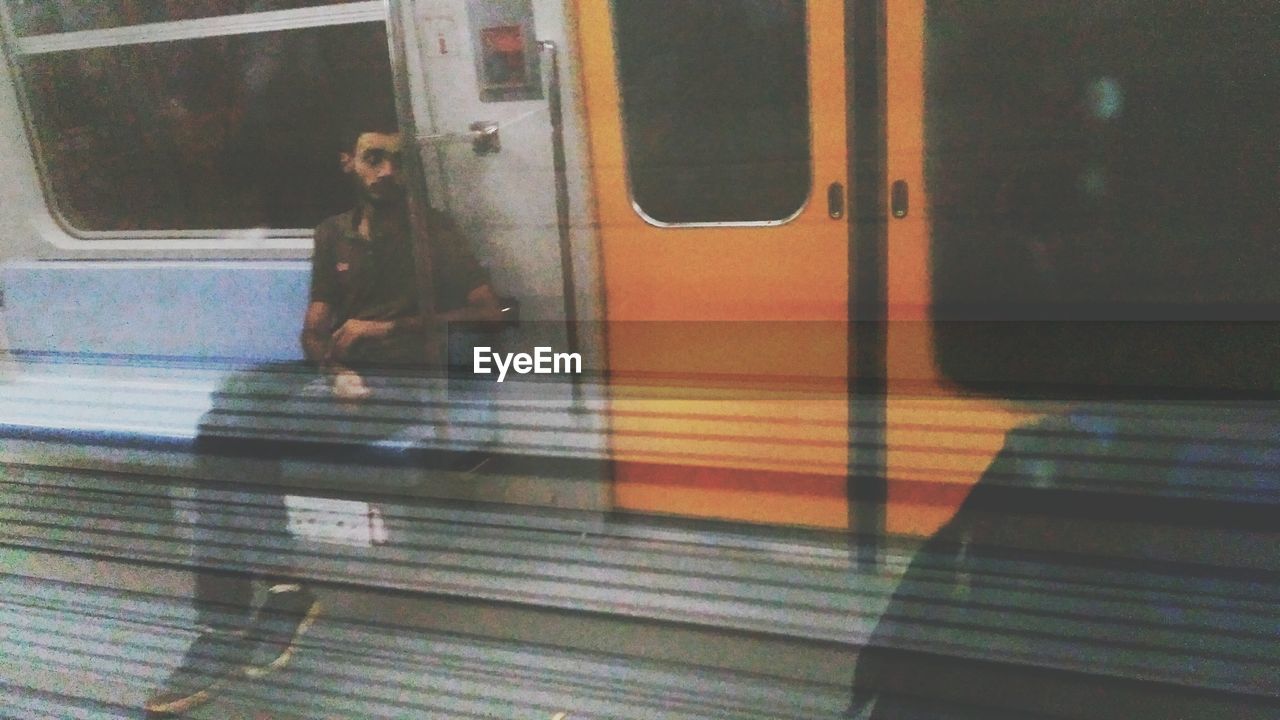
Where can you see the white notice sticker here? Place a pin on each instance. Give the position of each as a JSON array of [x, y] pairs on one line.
[[345, 522]]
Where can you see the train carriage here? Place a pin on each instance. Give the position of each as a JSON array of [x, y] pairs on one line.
[[823, 264]]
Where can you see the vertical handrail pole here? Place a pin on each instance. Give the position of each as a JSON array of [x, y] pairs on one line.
[[569, 285], [414, 173]]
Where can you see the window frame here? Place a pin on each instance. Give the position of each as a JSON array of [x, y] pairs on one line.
[[627, 154], [57, 230]]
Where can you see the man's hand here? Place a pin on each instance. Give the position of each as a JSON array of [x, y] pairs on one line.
[[354, 331], [348, 385]]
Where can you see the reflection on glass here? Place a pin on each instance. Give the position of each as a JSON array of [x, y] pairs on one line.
[[1105, 161]]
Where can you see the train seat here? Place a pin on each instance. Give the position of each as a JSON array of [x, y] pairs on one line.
[[141, 352], [155, 312]]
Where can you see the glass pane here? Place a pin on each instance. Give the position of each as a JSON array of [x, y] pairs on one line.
[[230, 132], [40, 17], [716, 107], [1100, 161]]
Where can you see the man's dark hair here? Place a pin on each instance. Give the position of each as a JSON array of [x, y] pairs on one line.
[[353, 128]]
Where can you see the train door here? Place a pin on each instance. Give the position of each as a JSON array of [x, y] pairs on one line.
[[937, 439], [719, 150]]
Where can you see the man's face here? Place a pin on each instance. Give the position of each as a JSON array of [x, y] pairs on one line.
[[375, 165]]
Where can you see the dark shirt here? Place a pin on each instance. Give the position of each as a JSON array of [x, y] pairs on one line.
[[374, 279]]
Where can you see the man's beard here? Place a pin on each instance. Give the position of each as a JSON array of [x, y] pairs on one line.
[[384, 196]]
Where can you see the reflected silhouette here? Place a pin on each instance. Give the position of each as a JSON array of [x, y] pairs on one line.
[[1120, 558]]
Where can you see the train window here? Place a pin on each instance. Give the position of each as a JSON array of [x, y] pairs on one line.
[[40, 17], [1102, 161], [220, 130], [716, 108]]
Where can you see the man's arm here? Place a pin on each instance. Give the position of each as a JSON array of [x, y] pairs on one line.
[[318, 347], [317, 327], [482, 306], [319, 343]]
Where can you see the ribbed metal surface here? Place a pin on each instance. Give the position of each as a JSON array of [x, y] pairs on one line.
[[96, 654], [1136, 544], [580, 563]]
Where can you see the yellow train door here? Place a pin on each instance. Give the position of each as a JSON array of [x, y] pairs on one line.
[[719, 156]]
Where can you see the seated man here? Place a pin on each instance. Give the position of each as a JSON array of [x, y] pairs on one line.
[[364, 303], [363, 314]]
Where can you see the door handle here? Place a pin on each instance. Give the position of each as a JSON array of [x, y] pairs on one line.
[[900, 199], [482, 134], [835, 200]]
